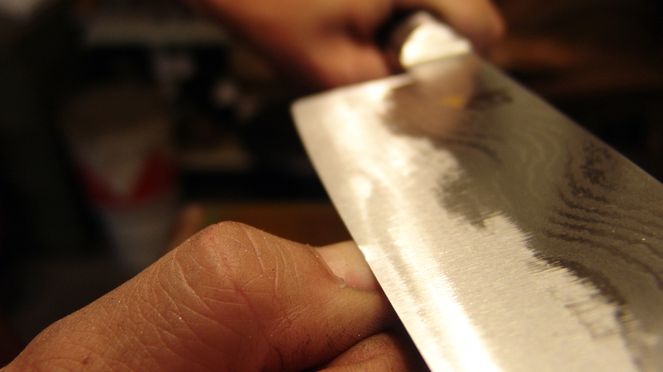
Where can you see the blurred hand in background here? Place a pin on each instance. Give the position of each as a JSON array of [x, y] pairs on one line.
[[329, 43]]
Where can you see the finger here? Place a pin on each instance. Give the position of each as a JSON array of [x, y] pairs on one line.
[[367, 17], [343, 258], [344, 60], [229, 298], [478, 20], [389, 351]]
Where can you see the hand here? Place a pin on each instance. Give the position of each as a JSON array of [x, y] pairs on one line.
[[332, 42], [232, 298]]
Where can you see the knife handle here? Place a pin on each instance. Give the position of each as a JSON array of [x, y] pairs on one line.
[[420, 37]]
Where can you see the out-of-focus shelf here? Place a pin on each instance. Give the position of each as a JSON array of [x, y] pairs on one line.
[[227, 155], [121, 29]]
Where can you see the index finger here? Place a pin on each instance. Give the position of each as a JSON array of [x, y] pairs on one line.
[[230, 298]]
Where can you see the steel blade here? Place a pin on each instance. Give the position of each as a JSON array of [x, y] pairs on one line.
[[505, 236]]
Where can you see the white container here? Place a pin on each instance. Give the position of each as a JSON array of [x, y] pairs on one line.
[[120, 137]]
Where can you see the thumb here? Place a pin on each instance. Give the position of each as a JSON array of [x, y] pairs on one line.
[[347, 262], [229, 298]]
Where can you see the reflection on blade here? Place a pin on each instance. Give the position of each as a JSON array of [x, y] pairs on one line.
[[506, 237]]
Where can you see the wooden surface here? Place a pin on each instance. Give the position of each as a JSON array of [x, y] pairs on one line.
[[314, 223]]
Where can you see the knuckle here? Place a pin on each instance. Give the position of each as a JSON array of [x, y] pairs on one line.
[[215, 244], [226, 256], [212, 251], [220, 230]]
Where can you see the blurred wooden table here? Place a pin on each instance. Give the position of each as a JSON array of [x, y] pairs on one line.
[[310, 222]]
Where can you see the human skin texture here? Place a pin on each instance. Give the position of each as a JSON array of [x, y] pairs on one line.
[[327, 43], [233, 298]]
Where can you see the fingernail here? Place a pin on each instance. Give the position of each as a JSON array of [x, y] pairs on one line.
[[346, 261]]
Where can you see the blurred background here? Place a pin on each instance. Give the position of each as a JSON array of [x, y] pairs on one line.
[[117, 116]]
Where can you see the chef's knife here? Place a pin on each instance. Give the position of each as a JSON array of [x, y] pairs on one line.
[[504, 235]]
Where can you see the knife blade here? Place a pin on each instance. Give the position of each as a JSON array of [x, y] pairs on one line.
[[505, 236]]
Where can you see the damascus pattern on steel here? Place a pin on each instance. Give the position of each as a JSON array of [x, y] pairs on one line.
[[505, 236]]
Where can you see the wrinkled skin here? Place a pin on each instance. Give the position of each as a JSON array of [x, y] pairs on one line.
[[232, 298], [327, 43]]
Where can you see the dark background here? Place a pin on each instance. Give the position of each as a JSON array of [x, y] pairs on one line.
[[234, 145]]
